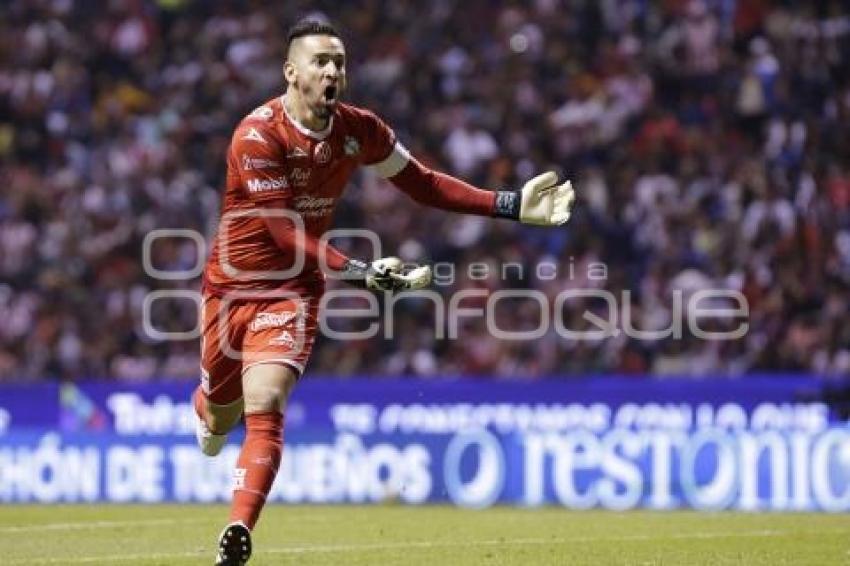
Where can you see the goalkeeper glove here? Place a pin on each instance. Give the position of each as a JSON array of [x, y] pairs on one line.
[[386, 274], [541, 201]]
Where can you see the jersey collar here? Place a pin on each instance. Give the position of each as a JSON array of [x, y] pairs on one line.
[[307, 131]]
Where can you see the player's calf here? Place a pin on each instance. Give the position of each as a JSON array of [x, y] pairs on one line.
[[213, 422]]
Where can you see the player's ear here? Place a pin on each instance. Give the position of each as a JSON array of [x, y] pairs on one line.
[[289, 73]]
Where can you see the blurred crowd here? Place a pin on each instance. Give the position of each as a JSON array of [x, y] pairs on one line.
[[708, 142]]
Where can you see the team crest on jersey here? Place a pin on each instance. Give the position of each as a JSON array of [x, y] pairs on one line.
[[263, 112], [322, 153], [351, 146], [254, 135]]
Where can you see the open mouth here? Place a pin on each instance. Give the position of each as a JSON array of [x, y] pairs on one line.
[[330, 94]]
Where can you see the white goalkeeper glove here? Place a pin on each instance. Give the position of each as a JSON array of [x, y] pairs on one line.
[[541, 201], [386, 274]]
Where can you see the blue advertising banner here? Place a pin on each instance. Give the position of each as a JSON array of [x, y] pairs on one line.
[[28, 405], [760, 444]]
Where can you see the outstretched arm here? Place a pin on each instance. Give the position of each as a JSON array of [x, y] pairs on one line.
[[433, 188], [541, 201]]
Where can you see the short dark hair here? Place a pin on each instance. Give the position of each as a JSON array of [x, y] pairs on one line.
[[308, 27]]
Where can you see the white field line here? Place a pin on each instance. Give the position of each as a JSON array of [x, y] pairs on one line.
[[88, 525], [344, 548]]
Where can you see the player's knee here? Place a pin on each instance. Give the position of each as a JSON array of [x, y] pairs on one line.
[[267, 387], [265, 404], [265, 399]]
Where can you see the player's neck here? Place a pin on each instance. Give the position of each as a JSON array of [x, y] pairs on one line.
[[301, 113]]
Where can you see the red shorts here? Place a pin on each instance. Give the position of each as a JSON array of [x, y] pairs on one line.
[[238, 334]]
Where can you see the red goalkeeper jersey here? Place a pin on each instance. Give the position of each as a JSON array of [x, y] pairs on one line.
[[277, 167]]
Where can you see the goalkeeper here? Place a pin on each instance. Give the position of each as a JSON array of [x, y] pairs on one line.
[[287, 165]]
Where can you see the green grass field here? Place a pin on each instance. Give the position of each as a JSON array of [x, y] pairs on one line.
[[444, 536]]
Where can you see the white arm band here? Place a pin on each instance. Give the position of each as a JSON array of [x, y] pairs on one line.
[[394, 163]]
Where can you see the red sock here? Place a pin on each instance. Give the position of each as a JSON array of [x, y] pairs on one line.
[[257, 466]]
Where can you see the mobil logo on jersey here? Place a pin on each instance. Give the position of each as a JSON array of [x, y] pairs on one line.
[[265, 185]]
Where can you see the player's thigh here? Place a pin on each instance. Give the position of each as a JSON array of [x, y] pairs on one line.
[[221, 362], [276, 347], [266, 386]]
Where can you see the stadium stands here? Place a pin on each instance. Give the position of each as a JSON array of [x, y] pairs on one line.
[[707, 140]]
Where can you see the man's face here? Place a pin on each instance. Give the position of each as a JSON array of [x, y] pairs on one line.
[[315, 68]]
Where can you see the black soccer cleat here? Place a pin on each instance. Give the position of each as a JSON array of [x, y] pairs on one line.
[[234, 545]]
